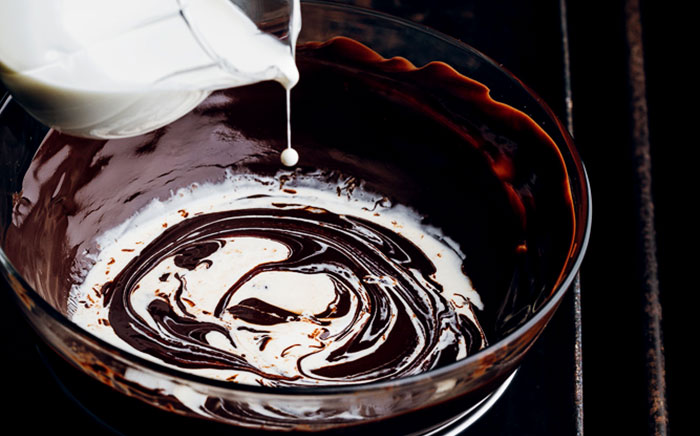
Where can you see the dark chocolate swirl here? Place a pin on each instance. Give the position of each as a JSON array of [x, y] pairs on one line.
[[394, 319]]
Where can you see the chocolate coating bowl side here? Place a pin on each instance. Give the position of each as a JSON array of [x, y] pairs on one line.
[[515, 321]]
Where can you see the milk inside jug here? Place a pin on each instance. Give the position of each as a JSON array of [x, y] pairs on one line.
[[110, 69]]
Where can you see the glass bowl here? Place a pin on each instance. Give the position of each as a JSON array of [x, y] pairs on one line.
[[522, 293]]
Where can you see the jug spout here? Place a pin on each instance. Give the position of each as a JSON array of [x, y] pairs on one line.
[[240, 51]]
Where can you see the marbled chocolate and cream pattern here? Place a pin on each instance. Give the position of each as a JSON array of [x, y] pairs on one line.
[[256, 282]]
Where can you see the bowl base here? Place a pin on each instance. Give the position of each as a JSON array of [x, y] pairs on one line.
[[457, 424], [107, 414]]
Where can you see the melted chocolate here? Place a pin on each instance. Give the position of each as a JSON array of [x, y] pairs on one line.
[[428, 137]]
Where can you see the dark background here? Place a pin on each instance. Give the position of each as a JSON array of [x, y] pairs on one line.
[[526, 37]]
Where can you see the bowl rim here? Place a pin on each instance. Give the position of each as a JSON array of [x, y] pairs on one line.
[[569, 270]]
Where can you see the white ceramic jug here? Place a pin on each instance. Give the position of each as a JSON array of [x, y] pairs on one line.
[[108, 69]]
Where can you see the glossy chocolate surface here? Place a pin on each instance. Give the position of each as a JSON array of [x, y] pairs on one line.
[[481, 171]]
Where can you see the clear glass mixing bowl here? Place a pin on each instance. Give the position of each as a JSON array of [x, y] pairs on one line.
[[466, 382]]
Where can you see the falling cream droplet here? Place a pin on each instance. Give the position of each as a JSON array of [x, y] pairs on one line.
[[289, 157]]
